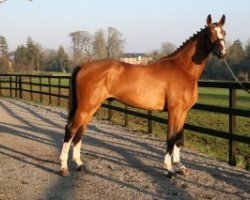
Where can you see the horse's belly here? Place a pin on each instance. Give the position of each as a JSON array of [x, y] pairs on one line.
[[146, 100]]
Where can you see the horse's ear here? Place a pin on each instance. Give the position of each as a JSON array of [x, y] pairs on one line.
[[209, 20], [222, 20]]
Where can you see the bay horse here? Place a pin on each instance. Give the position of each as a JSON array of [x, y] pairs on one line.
[[170, 83]]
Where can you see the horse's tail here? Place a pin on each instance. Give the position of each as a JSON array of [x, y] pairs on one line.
[[72, 99]]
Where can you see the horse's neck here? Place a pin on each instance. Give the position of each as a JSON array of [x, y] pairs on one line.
[[193, 58]]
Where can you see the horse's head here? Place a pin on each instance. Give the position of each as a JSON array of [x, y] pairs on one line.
[[216, 36]]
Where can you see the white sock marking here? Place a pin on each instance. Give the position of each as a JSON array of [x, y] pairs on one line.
[[176, 154], [168, 162], [77, 153], [64, 155]]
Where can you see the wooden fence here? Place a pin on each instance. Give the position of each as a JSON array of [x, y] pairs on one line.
[[58, 87]]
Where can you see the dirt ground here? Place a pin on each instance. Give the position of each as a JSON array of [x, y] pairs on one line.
[[121, 164]]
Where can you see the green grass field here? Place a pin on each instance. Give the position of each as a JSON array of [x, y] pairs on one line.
[[213, 146]]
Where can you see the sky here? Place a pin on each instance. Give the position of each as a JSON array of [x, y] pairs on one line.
[[145, 24]]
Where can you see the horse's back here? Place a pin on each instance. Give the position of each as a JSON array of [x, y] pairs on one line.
[[111, 70]]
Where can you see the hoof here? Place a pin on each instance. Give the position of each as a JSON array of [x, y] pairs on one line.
[[183, 171], [64, 172], [171, 174], [81, 168]]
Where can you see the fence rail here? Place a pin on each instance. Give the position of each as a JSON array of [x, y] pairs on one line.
[[58, 87]]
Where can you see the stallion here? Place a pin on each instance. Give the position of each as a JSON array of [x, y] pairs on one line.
[[171, 84]]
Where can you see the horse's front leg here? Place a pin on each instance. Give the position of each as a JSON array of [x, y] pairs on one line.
[[178, 165], [176, 119]]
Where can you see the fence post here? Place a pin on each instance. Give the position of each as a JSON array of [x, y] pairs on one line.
[[69, 92], [150, 125], [0, 85], [109, 110], [126, 116], [20, 87], [232, 126], [49, 82], [59, 92], [40, 89], [31, 88], [16, 88], [11, 86]]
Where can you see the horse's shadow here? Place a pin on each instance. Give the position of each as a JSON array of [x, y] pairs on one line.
[[130, 158], [230, 175]]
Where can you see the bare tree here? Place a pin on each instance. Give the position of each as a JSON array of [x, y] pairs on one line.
[[86, 46], [99, 45], [167, 48], [75, 39], [86, 43], [115, 43], [82, 45]]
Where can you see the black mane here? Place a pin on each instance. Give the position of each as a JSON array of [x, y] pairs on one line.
[[184, 44]]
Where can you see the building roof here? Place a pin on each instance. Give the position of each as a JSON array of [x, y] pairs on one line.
[[133, 55]]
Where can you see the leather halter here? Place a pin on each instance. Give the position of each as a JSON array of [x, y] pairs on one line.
[[212, 46]]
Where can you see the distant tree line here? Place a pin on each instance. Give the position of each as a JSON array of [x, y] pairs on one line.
[[31, 57], [238, 58]]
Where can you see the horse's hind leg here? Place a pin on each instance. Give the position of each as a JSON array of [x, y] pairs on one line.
[[70, 131], [74, 132], [77, 142], [85, 118]]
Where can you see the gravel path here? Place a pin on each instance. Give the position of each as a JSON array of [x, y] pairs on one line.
[[122, 164]]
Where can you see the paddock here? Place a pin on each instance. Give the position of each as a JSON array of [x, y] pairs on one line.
[[121, 163]]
